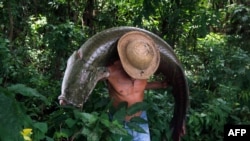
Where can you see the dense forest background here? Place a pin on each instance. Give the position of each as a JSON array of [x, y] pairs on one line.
[[210, 37]]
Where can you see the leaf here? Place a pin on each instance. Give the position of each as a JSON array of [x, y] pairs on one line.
[[41, 129], [117, 128], [70, 122], [26, 91], [93, 135], [120, 112], [114, 127], [41, 126], [86, 131], [60, 135], [105, 122], [49, 139], [137, 119], [139, 106], [116, 137], [105, 119], [135, 126], [10, 117], [86, 117]]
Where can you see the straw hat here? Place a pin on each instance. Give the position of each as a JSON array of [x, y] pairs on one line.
[[138, 54]]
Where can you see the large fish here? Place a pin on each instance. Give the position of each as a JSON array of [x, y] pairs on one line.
[[87, 65]]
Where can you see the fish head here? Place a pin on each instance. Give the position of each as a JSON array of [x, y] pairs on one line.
[[79, 81], [73, 84]]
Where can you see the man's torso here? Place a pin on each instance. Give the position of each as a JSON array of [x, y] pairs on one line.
[[123, 88]]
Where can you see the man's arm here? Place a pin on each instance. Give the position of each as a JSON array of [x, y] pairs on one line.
[[156, 85]]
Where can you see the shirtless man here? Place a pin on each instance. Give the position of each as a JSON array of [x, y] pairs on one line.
[[123, 88], [127, 80]]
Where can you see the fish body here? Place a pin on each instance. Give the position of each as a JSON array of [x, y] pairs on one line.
[[87, 66]]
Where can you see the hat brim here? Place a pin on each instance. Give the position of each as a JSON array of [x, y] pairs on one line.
[[131, 70]]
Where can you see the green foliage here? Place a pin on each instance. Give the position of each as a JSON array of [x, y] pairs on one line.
[[25, 91], [237, 24], [160, 113], [10, 118], [218, 79], [211, 38], [210, 118], [17, 113], [94, 126]]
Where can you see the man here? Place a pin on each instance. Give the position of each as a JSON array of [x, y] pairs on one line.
[[127, 80]]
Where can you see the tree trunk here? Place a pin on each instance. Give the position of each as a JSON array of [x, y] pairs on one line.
[[88, 15]]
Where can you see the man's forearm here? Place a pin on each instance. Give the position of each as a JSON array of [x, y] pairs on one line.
[[156, 85]]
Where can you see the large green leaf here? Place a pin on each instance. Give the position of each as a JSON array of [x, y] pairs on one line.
[[120, 114], [10, 117], [70, 122], [137, 119], [88, 118], [139, 106], [26, 91], [41, 129]]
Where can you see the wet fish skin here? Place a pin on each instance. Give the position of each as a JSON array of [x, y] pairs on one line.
[[95, 52], [79, 81]]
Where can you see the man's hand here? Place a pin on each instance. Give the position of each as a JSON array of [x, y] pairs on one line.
[[178, 134], [164, 84]]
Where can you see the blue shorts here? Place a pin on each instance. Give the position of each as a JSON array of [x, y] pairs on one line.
[[137, 136]]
